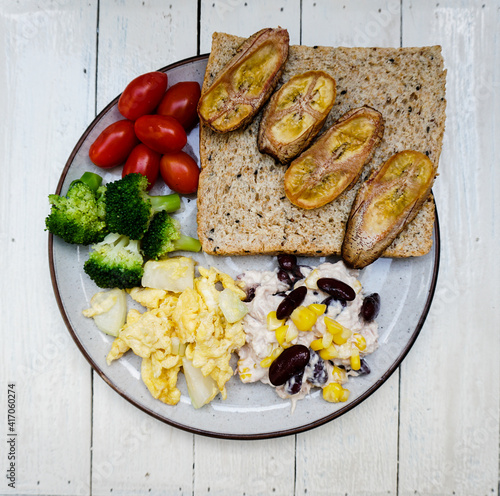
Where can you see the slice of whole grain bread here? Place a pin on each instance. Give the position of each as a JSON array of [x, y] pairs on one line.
[[242, 207]]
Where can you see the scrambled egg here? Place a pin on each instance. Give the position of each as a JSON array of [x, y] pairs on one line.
[[190, 324]]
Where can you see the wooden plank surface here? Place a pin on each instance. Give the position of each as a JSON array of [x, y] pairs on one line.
[[243, 18], [449, 416], [432, 429], [41, 121]]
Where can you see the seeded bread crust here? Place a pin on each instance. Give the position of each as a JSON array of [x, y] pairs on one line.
[[242, 207]]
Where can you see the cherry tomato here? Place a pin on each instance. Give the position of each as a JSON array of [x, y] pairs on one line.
[[142, 95], [145, 161], [162, 133], [180, 101], [113, 145], [180, 172]]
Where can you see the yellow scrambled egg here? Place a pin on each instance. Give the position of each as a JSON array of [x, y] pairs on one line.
[[190, 323]]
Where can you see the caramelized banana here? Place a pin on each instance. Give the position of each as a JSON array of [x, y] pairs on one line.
[[246, 81], [334, 163], [388, 200], [295, 114]]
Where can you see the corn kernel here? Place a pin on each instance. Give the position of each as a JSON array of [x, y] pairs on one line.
[[332, 326], [357, 286], [332, 392], [335, 392], [329, 353], [339, 375], [245, 377], [327, 339], [317, 344], [291, 334], [355, 362], [342, 337], [266, 362], [276, 352], [359, 341], [273, 322], [281, 334], [317, 308], [303, 318], [345, 395]]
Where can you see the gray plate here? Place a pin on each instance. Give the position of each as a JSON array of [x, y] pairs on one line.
[[251, 411]]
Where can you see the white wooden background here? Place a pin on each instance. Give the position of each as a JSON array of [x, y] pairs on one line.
[[432, 429]]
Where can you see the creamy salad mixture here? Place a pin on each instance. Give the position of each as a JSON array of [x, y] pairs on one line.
[[333, 331]]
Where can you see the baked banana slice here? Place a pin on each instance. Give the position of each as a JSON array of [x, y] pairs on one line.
[[245, 82], [386, 202], [335, 161], [295, 114]]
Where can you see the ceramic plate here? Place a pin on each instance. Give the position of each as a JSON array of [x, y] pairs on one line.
[[251, 411]]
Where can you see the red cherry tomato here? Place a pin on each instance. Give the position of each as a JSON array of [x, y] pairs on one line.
[[162, 133], [143, 160], [180, 172], [113, 145], [180, 101], [142, 95]]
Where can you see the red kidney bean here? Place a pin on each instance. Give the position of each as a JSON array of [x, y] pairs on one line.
[[290, 362], [294, 384], [250, 292], [338, 289], [284, 277], [297, 273], [364, 369], [291, 302], [287, 262], [370, 308], [328, 300], [317, 374]]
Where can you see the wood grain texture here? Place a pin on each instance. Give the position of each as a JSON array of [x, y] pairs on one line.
[[353, 24], [432, 429], [243, 18], [133, 453], [44, 64], [449, 416]]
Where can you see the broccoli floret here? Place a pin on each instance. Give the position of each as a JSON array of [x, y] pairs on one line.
[[78, 217], [115, 262], [164, 235], [129, 208]]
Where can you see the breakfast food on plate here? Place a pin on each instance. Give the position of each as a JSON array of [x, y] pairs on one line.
[[242, 205], [386, 202], [314, 332], [109, 310], [78, 216], [195, 328], [245, 82], [296, 327], [295, 114], [335, 161]]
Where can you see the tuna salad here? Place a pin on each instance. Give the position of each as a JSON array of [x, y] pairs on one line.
[[307, 327]]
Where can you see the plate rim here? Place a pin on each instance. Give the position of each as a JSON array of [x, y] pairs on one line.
[[207, 433]]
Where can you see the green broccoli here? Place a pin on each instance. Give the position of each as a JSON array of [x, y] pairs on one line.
[[115, 262], [78, 217], [129, 208], [164, 235]]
